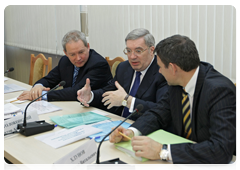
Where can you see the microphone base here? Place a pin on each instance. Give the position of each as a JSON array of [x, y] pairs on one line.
[[114, 164], [33, 128]]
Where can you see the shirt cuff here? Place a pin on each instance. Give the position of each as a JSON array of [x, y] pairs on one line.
[[132, 105], [38, 84], [91, 98], [45, 96], [169, 153], [138, 133], [135, 131]]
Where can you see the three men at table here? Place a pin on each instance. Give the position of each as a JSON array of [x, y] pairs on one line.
[[80, 62], [200, 104]]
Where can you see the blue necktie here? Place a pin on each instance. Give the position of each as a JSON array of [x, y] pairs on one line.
[[76, 69], [133, 91]]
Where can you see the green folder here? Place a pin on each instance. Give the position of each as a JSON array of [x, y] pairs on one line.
[[77, 119], [160, 136]]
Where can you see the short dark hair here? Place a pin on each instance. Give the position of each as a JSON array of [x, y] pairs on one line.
[[179, 50]]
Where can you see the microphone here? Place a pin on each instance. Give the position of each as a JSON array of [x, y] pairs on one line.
[[139, 108], [9, 70], [32, 128]]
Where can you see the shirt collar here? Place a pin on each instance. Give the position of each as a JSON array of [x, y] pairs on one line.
[[144, 71], [190, 87]]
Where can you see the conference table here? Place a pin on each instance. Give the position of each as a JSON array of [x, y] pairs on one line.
[[20, 149]]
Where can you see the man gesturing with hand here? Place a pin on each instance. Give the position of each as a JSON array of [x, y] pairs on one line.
[[137, 80]]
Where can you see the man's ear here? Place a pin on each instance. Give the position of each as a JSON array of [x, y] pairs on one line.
[[88, 46], [173, 68], [152, 49], [65, 52]]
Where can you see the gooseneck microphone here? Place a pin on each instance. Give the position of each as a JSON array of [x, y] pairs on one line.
[[138, 109], [9, 70], [32, 128]]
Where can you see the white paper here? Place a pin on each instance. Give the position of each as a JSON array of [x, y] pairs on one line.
[[41, 107], [10, 108], [10, 125], [67, 136], [99, 112], [8, 88], [84, 154], [105, 121], [11, 115], [232, 165], [5, 78], [16, 102]]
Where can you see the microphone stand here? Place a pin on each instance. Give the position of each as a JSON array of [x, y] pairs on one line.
[[114, 163], [32, 128]]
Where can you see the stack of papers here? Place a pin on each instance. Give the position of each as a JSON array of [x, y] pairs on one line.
[[41, 107], [106, 128], [73, 120], [8, 88], [11, 110]]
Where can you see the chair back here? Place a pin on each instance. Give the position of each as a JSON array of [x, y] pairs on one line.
[[114, 63], [38, 67]]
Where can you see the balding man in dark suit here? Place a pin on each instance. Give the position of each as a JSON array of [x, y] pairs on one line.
[[200, 104]]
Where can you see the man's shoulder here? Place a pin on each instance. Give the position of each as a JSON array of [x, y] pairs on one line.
[[95, 57]]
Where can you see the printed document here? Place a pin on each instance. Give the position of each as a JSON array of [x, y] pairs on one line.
[[41, 107], [8, 88], [67, 136]]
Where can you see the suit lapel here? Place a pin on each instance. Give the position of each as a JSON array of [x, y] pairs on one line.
[[148, 78], [127, 79], [176, 102], [68, 77], [199, 83]]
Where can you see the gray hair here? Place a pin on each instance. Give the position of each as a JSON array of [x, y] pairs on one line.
[[141, 32], [73, 35]]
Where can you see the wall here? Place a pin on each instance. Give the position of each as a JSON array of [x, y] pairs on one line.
[[20, 59], [211, 27]]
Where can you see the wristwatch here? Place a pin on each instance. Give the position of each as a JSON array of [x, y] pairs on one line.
[[124, 102], [164, 152]]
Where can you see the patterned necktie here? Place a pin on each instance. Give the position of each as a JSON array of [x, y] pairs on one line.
[[76, 69], [186, 116], [133, 91]]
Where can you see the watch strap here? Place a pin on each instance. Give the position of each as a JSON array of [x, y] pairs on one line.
[[164, 152], [126, 97]]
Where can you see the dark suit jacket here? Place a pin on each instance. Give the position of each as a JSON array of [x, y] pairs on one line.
[[150, 91], [213, 119], [96, 69]]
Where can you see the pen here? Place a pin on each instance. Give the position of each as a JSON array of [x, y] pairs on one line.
[[125, 136], [97, 137], [13, 101]]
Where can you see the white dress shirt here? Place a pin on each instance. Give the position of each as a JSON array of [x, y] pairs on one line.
[[190, 89]]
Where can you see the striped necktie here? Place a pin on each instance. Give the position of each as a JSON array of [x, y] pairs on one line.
[[186, 116], [133, 91], [76, 69]]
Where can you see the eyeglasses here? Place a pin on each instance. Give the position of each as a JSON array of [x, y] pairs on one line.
[[137, 52]]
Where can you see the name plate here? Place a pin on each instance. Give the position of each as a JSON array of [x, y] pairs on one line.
[[10, 125], [85, 154]]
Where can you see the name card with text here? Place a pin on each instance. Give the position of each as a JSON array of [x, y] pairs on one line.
[[10, 125], [85, 154]]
